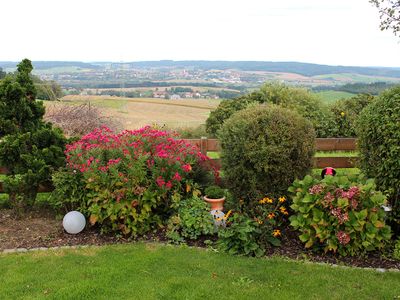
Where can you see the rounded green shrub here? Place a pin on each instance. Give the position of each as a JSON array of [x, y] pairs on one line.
[[263, 149], [378, 131]]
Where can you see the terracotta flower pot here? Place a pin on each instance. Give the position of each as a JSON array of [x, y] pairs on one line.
[[215, 203]]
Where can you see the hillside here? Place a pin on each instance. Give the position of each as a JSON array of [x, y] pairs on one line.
[[305, 69]]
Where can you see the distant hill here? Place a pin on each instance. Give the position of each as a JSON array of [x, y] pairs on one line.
[[305, 69], [43, 65]]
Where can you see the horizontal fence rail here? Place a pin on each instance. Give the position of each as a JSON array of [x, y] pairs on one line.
[[328, 144]]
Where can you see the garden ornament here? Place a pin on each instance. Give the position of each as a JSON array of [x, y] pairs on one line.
[[74, 222], [328, 171]]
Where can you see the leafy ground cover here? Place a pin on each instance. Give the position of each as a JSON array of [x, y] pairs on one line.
[[155, 271]]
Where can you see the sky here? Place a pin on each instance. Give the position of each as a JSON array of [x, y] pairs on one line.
[[333, 32]]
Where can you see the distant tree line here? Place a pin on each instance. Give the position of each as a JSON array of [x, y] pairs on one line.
[[374, 88], [113, 85], [45, 90]]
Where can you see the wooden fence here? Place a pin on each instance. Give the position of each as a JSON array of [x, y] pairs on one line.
[[327, 144], [330, 144]]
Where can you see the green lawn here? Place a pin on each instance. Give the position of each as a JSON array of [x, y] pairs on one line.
[[216, 155], [155, 271]]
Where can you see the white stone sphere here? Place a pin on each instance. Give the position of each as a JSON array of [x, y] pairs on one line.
[[74, 222]]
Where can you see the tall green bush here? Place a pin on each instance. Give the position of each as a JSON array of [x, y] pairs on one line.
[[347, 111], [30, 148], [263, 149], [378, 131], [224, 111]]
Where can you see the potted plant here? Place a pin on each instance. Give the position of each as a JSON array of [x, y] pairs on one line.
[[215, 196]]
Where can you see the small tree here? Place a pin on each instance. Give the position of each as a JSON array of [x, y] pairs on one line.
[[30, 149]]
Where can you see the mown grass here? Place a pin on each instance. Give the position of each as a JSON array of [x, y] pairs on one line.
[[156, 271], [216, 155]]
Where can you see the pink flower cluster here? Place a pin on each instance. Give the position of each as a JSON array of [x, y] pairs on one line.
[[166, 156], [338, 213], [316, 189], [343, 237]]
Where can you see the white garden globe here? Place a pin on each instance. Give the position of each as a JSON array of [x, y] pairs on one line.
[[74, 222]]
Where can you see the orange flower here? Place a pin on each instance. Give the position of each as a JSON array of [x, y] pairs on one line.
[[282, 199]]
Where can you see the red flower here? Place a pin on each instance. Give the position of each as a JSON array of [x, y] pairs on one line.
[[177, 177], [160, 181], [187, 168]]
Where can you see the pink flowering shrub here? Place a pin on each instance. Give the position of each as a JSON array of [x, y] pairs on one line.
[[135, 179], [339, 214]]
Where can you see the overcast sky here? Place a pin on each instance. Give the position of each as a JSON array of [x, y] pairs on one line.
[[335, 32]]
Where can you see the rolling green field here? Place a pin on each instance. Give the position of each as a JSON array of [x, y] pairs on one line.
[[157, 271], [352, 77], [332, 96]]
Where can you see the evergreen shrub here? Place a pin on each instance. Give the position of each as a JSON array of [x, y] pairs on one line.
[[263, 149]]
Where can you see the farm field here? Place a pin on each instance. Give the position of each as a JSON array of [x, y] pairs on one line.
[[332, 96], [156, 271], [136, 112], [352, 77]]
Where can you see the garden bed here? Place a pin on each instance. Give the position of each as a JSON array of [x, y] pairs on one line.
[[42, 229]]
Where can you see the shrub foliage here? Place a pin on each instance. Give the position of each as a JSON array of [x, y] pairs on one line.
[[193, 219], [339, 215], [378, 133], [133, 180], [264, 148], [297, 99], [347, 111]]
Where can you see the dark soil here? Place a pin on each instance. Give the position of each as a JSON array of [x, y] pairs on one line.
[[42, 229]]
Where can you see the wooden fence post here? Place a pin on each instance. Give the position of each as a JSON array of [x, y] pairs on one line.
[[204, 145]]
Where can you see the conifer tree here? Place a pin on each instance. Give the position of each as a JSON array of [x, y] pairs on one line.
[[30, 148]]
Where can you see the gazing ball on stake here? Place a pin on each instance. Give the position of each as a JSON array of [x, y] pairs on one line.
[[328, 171], [74, 222]]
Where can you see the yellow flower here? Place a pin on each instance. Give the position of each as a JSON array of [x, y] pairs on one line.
[[282, 208], [228, 214], [282, 199], [269, 200], [342, 113], [276, 233], [271, 216]]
